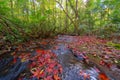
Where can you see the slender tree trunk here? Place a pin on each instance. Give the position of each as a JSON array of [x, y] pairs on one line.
[[76, 27], [49, 15], [54, 11], [34, 7], [11, 5], [66, 19], [76, 17], [60, 13]]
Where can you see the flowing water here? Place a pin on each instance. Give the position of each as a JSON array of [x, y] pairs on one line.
[[74, 68]]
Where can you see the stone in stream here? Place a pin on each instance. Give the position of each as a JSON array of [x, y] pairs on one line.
[[15, 70]]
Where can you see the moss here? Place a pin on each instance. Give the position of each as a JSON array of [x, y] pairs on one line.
[[115, 45], [96, 58]]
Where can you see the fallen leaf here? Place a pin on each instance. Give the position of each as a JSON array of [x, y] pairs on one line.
[[102, 76], [56, 77]]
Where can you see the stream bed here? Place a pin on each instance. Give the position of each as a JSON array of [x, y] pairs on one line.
[[75, 67]]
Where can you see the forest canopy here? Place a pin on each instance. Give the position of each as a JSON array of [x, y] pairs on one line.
[[24, 19]]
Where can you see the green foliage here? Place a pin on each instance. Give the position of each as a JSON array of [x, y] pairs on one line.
[[117, 46], [24, 19]]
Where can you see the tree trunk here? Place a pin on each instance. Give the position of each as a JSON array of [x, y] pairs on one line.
[[76, 27], [76, 17], [11, 5]]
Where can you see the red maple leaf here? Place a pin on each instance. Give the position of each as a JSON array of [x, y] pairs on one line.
[[38, 51], [52, 65], [37, 72], [15, 59], [49, 70], [56, 77], [60, 69], [55, 71], [102, 76]]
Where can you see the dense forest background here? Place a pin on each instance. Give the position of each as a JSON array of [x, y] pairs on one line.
[[21, 20]]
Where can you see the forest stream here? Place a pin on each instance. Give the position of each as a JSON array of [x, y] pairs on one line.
[[58, 59], [59, 39]]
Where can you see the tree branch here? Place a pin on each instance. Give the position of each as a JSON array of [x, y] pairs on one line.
[[67, 14]]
